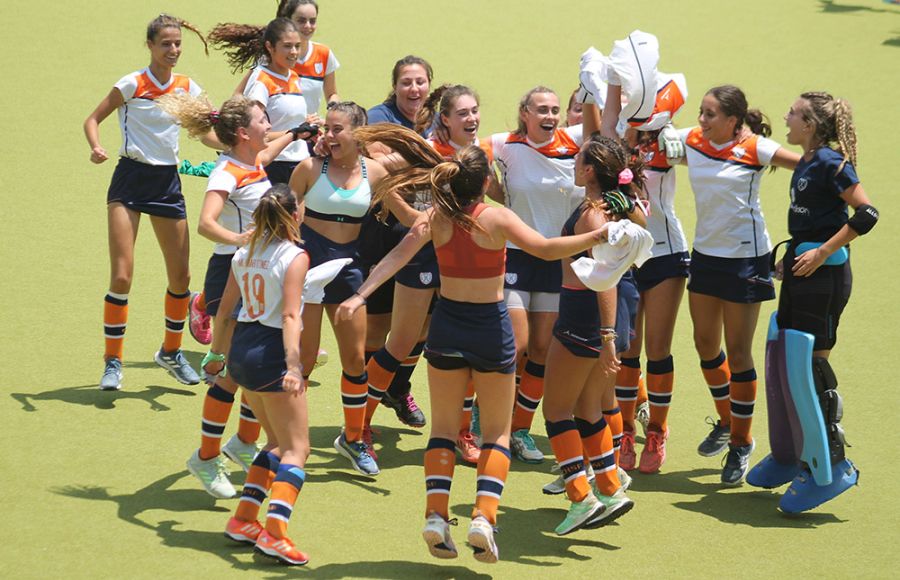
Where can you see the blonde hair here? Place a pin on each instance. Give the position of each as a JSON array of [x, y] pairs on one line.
[[198, 116], [521, 129], [274, 218], [833, 121]]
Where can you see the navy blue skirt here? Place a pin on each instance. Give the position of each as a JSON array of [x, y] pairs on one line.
[[322, 250], [742, 280], [469, 335], [256, 358], [150, 189]]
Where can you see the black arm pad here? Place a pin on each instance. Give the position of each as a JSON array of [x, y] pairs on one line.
[[864, 219]]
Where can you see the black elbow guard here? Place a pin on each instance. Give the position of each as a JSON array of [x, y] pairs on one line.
[[864, 219]]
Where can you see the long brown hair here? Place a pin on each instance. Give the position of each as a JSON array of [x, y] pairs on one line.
[[733, 103], [244, 44], [438, 103], [274, 218], [609, 158], [169, 21]]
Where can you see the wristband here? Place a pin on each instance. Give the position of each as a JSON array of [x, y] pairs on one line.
[[608, 337], [212, 357]]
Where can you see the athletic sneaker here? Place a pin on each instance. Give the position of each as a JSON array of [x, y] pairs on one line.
[[112, 375], [367, 439], [437, 536], [199, 324], [212, 474], [241, 453], [467, 447], [615, 506], [523, 448], [476, 425], [558, 485], [717, 440], [177, 366], [580, 512], [654, 453], [481, 540], [737, 463], [358, 453], [805, 494], [282, 549], [406, 409], [321, 358], [243, 531], [627, 455], [642, 415], [624, 479]]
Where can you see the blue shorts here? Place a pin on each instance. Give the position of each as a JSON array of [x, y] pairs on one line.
[[217, 270], [661, 268], [741, 280], [578, 325], [321, 250], [421, 272], [469, 335], [627, 298], [525, 272], [376, 239], [256, 358], [280, 171], [150, 189]]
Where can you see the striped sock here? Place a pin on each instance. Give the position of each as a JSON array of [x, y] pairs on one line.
[[743, 397], [660, 383], [627, 389], [529, 395], [216, 408], [613, 418], [256, 486], [381, 370], [597, 441], [353, 398], [465, 423], [642, 391], [285, 489], [115, 317], [717, 377], [401, 385], [248, 426], [566, 444], [176, 307], [440, 459], [493, 467]]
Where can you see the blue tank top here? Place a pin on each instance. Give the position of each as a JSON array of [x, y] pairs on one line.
[[325, 201], [568, 228]]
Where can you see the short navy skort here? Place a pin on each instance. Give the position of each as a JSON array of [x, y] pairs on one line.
[[741, 280], [421, 272], [217, 270], [321, 250], [578, 325], [530, 274], [661, 268], [470, 335], [150, 189], [280, 171], [256, 358]]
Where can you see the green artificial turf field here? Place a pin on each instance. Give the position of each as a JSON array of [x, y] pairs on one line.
[[94, 484]]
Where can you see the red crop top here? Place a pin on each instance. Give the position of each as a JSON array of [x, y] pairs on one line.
[[461, 257]]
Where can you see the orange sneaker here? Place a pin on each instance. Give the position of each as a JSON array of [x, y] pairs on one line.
[[654, 453], [367, 439], [282, 549], [243, 531], [627, 455], [468, 449]]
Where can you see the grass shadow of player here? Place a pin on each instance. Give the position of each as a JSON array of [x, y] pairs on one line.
[[397, 569], [321, 439], [91, 396], [676, 482], [757, 509], [893, 41], [527, 537]]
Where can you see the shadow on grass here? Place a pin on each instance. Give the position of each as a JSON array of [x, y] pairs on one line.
[[832, 7], [386, 440], [749, 506], [91, 396]]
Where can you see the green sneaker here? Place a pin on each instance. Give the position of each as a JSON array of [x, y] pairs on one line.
[[580, 512], [241, 453], [212, 474], [616, 506]]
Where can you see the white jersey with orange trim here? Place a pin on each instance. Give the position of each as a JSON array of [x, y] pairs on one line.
[[318, 62], [539, 178], [659, 186], [284, 103], [448, 150], [725, 179], [260, 278], [245, 185], [149, 134]]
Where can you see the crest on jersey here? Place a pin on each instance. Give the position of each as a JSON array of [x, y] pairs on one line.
[[318, 68], [738, 152], [511, 277], [425, 277], [648, 156], [802, 183]]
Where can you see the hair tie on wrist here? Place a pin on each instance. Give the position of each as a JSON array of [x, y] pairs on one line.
[[625, 176]]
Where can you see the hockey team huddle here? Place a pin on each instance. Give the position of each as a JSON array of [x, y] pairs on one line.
[[545, 294]]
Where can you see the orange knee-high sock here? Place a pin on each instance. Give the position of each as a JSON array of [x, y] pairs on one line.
[[743, 397], [493, 467], [176, 311], [248, 426], [401, 384], [353, 397], [216, 408], [285, 489], [440, 459], [201, 301], [627, 380], [642, 391], [613, 418], [380, 369], [660, 383], [115, 317], [597, 440], [256, 486], [529, 395], [717, 377], [465, 423], [566, 444]]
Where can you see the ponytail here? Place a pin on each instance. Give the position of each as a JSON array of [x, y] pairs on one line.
[[245, 45], [425, 116], [197, 115], [758, 122], [833, 122], [274, 218], [168, 21]]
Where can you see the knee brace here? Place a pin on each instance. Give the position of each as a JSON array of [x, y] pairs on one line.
[[832, 406]]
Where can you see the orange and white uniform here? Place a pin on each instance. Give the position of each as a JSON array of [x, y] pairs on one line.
[[245, 185], [149, 134], [260, 278], [313, 67], [448, 150], [283, 99], [725, 179]]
